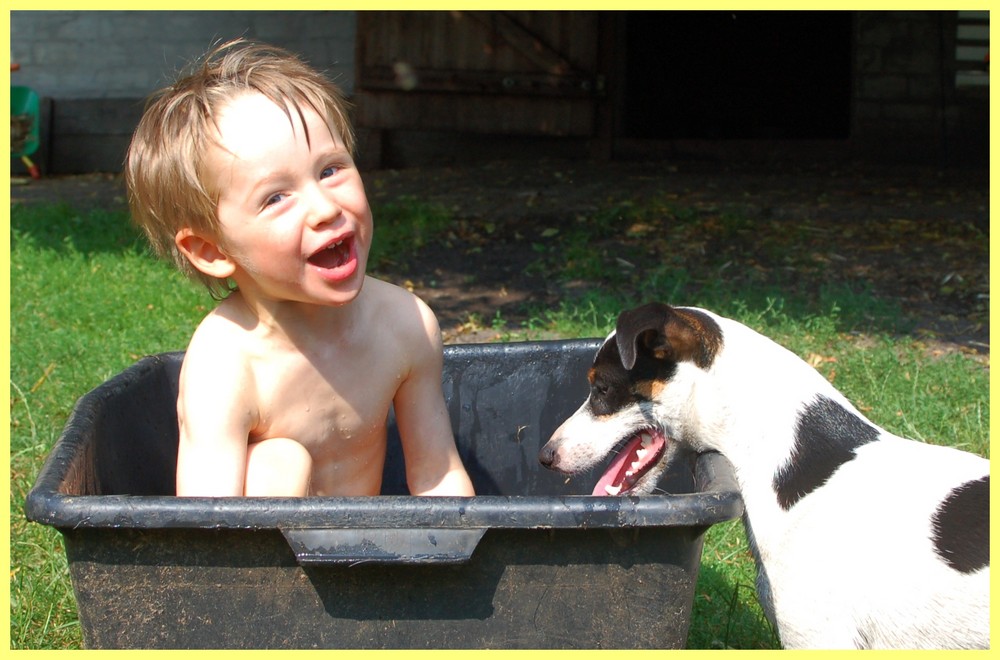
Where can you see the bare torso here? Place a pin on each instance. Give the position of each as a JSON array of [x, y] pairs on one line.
[[334, 404], [327, 385]]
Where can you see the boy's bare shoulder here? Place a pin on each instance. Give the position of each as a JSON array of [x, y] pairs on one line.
[[402, 304], [404, 313], [387, 291], [220, 340], [217, 379]]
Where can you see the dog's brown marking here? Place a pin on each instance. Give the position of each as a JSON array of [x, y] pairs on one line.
[[668, 333], [649, 389], [702, 334]]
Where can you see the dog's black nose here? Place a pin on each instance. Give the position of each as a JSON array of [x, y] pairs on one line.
[[547, 455]]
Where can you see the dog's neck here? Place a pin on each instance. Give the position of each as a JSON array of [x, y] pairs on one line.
[[749, 406]]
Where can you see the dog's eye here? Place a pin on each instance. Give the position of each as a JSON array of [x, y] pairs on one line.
[[603, 398]]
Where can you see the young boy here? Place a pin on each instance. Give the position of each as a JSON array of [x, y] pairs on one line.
[[242, 171]]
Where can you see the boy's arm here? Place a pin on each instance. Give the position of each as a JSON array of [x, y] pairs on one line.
[[433, 466], [214, 424]]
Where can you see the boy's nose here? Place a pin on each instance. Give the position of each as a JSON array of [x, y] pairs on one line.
[[323, 206]]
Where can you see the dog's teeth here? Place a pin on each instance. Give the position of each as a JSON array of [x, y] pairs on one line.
[[612, 490], [635, 466], [647, 440], [640, 453]]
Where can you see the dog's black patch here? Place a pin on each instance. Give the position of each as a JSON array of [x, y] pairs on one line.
[[825, 438], [962, 526], [613, 388]]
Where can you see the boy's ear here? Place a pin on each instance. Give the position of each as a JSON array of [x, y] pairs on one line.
[[204, 254]]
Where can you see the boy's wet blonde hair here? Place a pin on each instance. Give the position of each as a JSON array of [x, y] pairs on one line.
[[169, 185]]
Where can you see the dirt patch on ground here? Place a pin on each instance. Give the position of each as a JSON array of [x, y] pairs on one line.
[[916, 236]]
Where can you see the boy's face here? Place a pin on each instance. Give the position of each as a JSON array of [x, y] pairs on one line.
[[293, 214]]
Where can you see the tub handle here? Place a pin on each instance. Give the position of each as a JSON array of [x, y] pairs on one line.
[[382, 546]]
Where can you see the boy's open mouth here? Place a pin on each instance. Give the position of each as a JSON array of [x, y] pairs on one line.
[[338, 260], [640, 453]]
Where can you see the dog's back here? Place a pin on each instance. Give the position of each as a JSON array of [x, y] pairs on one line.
[[892, 552], [866, 539]]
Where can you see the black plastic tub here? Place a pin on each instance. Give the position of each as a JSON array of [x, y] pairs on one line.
[[527, 563]]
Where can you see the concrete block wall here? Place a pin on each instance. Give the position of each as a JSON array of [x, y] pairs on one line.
[[905, 98], [97, 67], [897, 71], [128, 54]]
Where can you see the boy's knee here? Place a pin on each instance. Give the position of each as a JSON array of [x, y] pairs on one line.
[[277, 467]]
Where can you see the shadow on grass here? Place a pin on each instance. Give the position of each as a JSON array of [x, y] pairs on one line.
[[61, 228], [827, 308], [726, 615], [544, 266], [404, 229]]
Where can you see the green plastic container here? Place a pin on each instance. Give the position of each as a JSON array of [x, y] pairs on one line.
[[24, 121]]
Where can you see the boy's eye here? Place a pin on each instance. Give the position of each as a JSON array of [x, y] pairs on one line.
[[274, 199], [328, 172]]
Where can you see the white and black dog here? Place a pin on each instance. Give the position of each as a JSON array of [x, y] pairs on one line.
[[863, 539]]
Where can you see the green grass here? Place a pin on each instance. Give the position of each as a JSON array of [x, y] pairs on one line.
[[403, 227], [87, 300], [725, 613]]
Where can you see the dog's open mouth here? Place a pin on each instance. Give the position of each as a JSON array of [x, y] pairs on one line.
[[635, 459]]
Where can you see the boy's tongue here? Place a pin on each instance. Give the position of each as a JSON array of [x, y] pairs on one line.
[[332, 257], [634, 460]]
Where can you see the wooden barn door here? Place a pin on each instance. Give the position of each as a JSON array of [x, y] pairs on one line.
[[502, 73]]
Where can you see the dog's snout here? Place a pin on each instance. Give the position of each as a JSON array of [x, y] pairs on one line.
[[547, 455]]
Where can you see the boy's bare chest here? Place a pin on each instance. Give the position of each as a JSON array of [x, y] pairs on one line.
[[327, 405]]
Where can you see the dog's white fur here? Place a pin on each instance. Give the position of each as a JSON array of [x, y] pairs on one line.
[[851, 564]]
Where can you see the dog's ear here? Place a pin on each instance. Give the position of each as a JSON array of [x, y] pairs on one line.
[[642, 327], [668, 334]]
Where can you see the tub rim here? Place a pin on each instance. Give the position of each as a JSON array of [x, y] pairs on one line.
[[716, 499]]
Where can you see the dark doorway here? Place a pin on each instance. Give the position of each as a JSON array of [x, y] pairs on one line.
[[751, 75]]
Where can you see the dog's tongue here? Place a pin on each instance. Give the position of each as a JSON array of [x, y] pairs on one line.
[[638, 455]]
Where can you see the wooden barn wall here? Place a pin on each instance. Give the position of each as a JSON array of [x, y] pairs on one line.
[[519, 73]]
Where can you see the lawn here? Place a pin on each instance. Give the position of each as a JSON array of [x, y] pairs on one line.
[[87, 300]]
